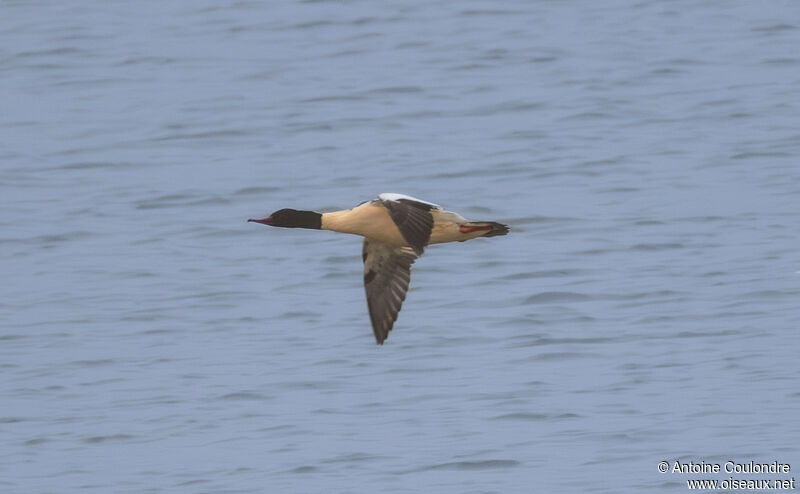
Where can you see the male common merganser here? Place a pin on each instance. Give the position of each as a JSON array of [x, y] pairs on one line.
[[396, 228]]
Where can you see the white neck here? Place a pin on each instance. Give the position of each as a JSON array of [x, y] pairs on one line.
[[339, 221]]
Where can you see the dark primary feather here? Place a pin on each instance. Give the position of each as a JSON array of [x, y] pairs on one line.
[[387, 272], [413, 219]]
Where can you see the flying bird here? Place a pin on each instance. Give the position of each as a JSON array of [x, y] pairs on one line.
[[396, 228]]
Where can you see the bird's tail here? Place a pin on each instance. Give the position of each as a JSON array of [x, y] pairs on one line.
[[493, 228]]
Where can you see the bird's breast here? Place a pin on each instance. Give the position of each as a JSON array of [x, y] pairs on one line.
[[368, 220]]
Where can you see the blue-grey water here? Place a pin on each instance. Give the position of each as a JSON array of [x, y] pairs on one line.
[[644, 307]]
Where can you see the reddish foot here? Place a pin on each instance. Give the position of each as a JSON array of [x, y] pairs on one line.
[[470, 229]]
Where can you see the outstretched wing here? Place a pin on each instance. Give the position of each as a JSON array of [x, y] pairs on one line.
[[412, 217], [387, 272]]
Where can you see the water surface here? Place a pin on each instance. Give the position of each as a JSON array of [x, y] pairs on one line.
[[643, 309]]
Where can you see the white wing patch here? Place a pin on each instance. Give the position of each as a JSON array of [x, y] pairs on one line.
[[390, 196]]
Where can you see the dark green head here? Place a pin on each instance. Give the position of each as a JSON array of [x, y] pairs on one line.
[[292, 218]]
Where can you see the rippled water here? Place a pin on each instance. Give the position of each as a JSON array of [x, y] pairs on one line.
[[644, 308]]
